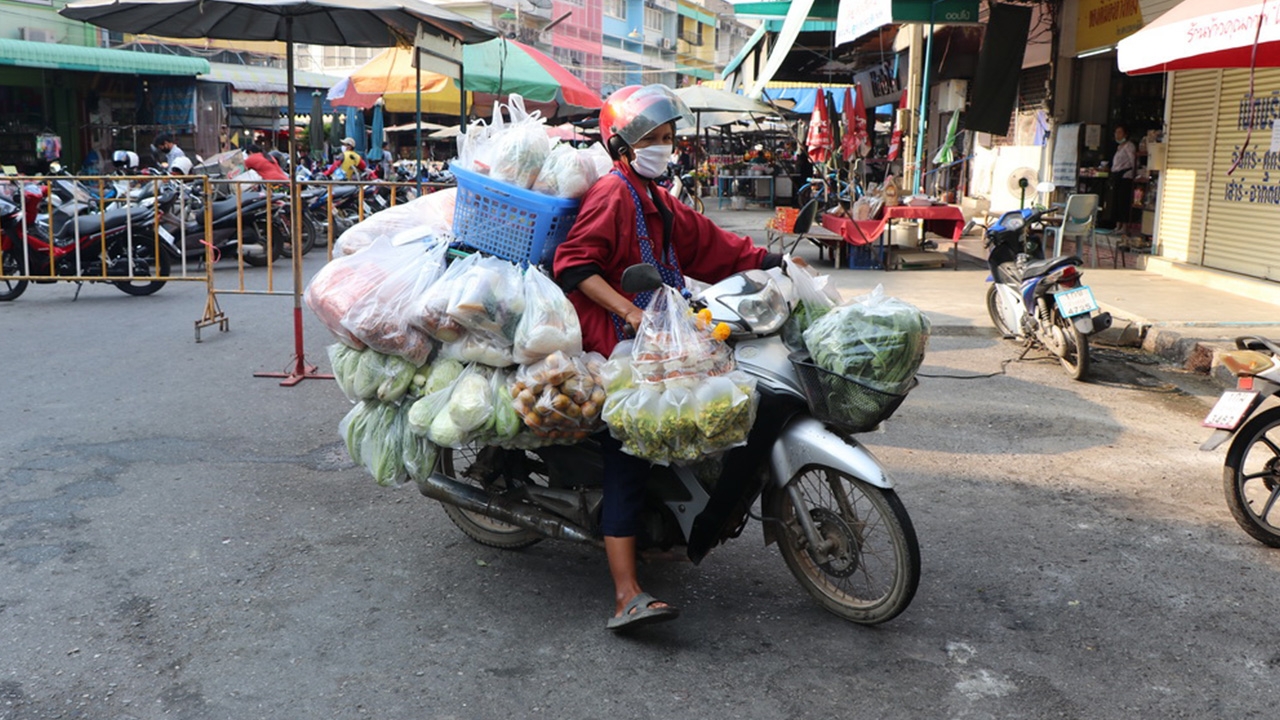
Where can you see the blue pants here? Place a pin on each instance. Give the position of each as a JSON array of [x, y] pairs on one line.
[[625, 477]]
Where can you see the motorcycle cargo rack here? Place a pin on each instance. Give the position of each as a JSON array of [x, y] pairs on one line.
[[845, 402], [510, 222]]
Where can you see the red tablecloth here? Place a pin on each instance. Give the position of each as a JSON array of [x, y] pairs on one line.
[[944, 220]]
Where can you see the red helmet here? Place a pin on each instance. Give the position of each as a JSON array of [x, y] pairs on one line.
[[635, 110]]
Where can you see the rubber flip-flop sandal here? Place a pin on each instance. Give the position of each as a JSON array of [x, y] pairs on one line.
[[637, 613]]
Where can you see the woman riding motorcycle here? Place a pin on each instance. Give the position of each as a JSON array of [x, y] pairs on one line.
[[626, 219]]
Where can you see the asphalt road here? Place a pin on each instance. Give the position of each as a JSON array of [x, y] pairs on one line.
[[181, 539]]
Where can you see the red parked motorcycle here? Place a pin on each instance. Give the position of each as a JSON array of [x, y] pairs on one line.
[[96, 246]]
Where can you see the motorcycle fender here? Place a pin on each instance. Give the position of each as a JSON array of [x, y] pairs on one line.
[[1216, 439], [805, 441]]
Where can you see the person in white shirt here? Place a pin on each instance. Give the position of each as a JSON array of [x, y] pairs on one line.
[[1123, 165]]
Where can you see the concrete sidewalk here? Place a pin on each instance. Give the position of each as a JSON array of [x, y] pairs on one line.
[[1184, 315]]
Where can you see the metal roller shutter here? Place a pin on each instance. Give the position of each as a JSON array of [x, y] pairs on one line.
[[1242, 228], [1184, 191]]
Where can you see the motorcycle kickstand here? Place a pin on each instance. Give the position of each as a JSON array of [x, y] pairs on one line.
[[79, 287]]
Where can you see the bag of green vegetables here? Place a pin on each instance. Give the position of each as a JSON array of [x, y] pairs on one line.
[[875, 339]]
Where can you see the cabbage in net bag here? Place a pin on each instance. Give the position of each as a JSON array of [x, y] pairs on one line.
[[876, 339]]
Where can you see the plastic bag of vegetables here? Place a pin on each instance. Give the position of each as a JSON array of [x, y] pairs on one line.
[[431, 311], [876, 339], [560, 398], [673, 343], [815, 296], [419, 453], [453, 415], [488, 297], [381, 318], [549, 323], [520, 148], [375, 433]]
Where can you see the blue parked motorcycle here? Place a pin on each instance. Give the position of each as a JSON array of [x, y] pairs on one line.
[[1040, 301]]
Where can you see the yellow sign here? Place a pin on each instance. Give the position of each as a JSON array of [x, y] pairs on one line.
[[1106, 22]]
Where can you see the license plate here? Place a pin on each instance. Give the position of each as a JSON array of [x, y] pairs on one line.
[[1230, 409], [1076, 301]]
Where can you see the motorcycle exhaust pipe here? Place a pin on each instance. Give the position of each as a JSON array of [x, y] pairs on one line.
[[447, 490]]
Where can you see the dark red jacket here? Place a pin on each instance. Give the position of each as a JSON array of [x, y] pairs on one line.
[[603, 239]]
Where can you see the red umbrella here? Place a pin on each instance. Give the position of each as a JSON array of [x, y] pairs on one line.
[[1205, 34], [819, 140], [855, 139]]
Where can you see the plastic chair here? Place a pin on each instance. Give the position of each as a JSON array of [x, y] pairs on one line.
[[804, 223], [1080, 218]]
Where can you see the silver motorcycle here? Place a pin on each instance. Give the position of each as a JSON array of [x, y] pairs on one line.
[[1251, 472], [824, 497]]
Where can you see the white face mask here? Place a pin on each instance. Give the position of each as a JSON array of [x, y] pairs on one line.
[[651, 161]]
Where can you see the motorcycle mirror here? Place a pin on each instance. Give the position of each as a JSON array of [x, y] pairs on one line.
[[641, 277]]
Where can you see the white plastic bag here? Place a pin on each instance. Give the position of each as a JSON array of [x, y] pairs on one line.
[[549, 323], [424, 217]]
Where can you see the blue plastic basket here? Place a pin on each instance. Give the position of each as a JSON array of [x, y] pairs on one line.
[[510, 222]]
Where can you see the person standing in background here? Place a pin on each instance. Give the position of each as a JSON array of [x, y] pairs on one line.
[[1120, 185], [168, 149]]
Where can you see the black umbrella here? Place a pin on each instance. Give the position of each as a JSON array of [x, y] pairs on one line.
[[352, 23]]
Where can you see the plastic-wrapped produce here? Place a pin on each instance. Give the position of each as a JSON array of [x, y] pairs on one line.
[[428, 216], [549, 322], [560, 398], [674, 395], [876, 339], [382, 318]]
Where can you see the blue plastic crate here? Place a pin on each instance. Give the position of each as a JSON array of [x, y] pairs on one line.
[[510, 222]]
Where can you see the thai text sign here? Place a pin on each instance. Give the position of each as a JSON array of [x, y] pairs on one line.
[[1106, 22], [856, 18]]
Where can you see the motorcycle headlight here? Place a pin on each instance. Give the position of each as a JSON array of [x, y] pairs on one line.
[[758, 307]]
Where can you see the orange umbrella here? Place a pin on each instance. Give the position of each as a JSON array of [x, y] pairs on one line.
[[392, 71], [390, 76]]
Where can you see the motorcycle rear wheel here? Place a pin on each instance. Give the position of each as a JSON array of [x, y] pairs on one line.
[[1251, 477], [993, 309], [255, 253], [483, 529], [1075, 359], [12, 289], [870, 569], [145, 287], [310, 233]]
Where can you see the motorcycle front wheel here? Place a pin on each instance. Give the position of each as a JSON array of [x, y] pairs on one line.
[[867, 566], [1251, 477], [993, 309], [1075, 355], [12, 289], [458, 464]]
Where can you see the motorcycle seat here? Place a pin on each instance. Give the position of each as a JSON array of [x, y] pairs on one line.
[[223, 208], [93, 224], [1040, 268]]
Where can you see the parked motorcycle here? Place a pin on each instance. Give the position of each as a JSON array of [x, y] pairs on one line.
[[686, 188], [230, 218], [1251, 473], [826, 500], [1043, 303], [120, 242]]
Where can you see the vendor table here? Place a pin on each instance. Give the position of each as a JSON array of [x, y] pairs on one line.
[[944, 220], [724, 187]]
